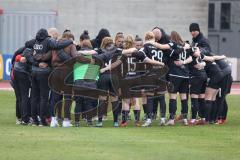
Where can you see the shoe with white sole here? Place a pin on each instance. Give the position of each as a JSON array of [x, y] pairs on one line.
[[170, 122], [66, 123], [147, 123], [162, 122], [18, 121], [54, 122], [185, 122]]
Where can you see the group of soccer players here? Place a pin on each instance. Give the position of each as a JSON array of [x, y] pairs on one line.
[[50, 72]]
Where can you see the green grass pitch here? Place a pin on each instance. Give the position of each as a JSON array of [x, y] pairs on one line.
[[207, 142]]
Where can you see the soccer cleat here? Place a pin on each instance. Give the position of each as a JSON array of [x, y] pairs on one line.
[[40, 124], [99, 124], [147, 123], [170, 122], [201, 122], [66, 123], [192, 122], [54, 122], [220, 121], [115, 124], [137, 123], [162, 122], [179, 118], [18, 121], [185, 122], [123, 124]]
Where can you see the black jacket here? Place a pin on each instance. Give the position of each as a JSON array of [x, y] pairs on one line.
[[19, 51], [96, 43], [26, 66], [203, 44], [42, 44]]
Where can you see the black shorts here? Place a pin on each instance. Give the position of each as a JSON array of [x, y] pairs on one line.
[[108, 82], [214, 83], [180, 85], [225, 85], [215, 80], [198, 85]]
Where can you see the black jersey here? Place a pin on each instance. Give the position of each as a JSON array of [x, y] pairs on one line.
[[134, 65], [225, 66], [108, 57], [212, 69], [179, 71], [203, 44], [154, 53], [195, 72]]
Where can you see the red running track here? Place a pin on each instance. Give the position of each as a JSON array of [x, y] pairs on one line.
[[5, 85]]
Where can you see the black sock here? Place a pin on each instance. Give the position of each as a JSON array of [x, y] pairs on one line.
[[208, 110], [202, 107], [194, 107], [213, 111], [162, 106], [137, 115], [172, 108], [144, 108], [184, 104], [225, 110], [124, 116], [155, 105], [115, 110], [220, 106], [149, 111], [102, 108]]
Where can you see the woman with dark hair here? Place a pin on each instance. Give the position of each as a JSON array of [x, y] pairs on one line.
[[96, 43], [83, 78], [213, 70], [21, 84], [41, 69]]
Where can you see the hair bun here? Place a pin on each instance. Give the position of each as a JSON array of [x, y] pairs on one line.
[[85, 32]]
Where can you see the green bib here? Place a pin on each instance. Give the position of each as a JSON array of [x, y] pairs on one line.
[[85, 71]]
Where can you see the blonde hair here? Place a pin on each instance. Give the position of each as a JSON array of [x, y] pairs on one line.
[[149, 36], [106, 41], [53, 32], [128, 42]]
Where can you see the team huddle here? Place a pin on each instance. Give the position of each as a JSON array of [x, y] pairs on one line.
[[51, 72]]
